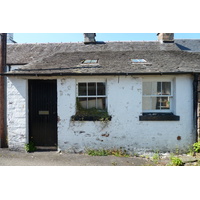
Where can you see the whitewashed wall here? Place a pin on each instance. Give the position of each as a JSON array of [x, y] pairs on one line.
[[125, 130], [124, 102], [17, 113]]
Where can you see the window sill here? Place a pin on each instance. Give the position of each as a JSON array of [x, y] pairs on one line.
[[159, 117], [90, 118]]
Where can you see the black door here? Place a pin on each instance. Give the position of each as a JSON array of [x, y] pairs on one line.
[[43, 112]]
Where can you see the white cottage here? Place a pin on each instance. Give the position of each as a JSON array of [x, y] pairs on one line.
[[137, 96]]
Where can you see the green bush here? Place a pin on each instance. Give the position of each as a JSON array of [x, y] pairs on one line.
[[30, 147], [176, 161], [196, 147]]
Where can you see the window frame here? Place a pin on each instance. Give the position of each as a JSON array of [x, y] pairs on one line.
[[171, 97], [138, 60], [92, 96], [90, 62]]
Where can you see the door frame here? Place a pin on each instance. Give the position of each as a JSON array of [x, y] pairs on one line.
[[31, 81]]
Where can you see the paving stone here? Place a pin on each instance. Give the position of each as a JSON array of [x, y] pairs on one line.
[[187, 159]]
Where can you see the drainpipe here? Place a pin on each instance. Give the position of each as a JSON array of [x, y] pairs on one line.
[[196, 109], [3, 42]]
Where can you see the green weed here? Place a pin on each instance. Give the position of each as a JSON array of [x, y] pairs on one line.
[[156, 157], [30, 147], [176, 161], [196, 147]]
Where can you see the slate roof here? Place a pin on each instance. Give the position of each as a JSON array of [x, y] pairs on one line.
[[190, 45], [113, 58]]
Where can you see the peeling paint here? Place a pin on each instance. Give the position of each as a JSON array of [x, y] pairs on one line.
[[105, 135]]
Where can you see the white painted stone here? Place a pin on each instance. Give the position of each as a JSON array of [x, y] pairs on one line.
[[124, 104]]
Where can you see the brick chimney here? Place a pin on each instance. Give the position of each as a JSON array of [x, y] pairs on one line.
[[165, 37], [89, 38]]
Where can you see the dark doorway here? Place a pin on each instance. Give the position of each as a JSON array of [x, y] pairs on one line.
[[43, 112]]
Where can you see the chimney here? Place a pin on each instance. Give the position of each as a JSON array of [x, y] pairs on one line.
[[89, 38], [165, 37]]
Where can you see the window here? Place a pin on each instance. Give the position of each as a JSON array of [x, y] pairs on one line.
[[157, 97], [90, 61], [92, 95], [138, 61]]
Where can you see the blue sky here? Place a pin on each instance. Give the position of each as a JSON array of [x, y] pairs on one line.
[[78, 37]]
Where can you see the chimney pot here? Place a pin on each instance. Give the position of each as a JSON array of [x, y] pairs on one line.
[[165, 37], [89, 38]]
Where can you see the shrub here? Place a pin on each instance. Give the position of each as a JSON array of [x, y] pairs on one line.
[[30, 147], [176, 161], [196, 147], [156, 157]]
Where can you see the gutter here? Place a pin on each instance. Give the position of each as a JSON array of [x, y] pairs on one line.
[[95, 74]]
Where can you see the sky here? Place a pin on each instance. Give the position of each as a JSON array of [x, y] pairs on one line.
[[78, 37]]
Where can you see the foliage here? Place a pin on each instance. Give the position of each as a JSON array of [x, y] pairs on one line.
[[196, 147], [103, 152], [30, 147], [118, 153], [92, 114], [156, 157], [176, 161], [191, 151]]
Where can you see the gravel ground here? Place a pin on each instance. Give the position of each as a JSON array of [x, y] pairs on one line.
[[53, 158]]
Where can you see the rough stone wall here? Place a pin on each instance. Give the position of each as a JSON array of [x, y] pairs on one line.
[[17, 113], [124, 104]]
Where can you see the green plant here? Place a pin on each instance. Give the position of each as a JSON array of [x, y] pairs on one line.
[[196, 147], [30, 147], [114, 163], [156, 157], [176, 161], [118, 153], [101, 152], [191, 151], [92, 114]]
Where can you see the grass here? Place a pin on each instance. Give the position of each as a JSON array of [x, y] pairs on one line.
[[104, 152]]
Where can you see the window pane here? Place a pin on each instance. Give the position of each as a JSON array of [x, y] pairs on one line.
[[83, 102], [101, 103], [164, 103], [154, 103], [146, 103], [166, 88], [93, 61], [82, 89], [87, 61], [159, 88], [154, 90], [91, 103], [147, 88], [101, 89], [92, 89]]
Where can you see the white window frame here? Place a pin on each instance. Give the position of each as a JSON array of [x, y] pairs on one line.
[[171, 97], [93, 96]]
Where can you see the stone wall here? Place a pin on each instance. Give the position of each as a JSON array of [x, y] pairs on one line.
[[124, 104], [17, 113]]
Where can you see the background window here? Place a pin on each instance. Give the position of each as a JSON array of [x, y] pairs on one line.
[[92, 95], [157, 96]]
